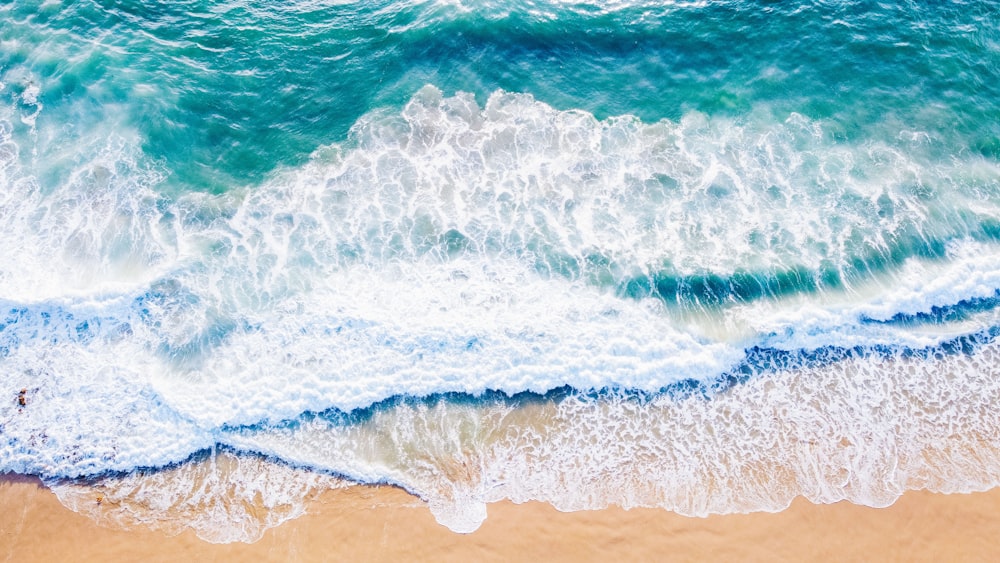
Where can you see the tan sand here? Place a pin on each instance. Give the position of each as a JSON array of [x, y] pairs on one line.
[[386, 524]]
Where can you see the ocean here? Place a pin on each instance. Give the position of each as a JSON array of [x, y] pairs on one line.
[[707, 256]]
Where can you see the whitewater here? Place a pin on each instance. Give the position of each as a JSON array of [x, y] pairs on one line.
[[634, 254]]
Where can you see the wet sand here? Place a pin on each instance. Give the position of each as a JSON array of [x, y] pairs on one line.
[[387, 524]]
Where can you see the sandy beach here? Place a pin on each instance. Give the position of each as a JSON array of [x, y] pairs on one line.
[[387, 524]]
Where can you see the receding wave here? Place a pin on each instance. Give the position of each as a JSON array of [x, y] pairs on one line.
[[830, 425], [864, 427]]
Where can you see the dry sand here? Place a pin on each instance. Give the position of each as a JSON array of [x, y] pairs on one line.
[[386, 524]]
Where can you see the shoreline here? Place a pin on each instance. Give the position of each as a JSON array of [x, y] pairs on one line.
[[382, 523]]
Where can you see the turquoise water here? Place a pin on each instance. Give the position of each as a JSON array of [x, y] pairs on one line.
[[384, 240], [225, 92]]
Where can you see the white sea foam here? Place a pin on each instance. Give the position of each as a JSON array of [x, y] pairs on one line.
[[89, 409], [452, 247], [99, 233], [698, 195], [918, 286], [224, 498], [864, 429]]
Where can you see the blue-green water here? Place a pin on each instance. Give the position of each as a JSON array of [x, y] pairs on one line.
[[226, 92], [384, 240]]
